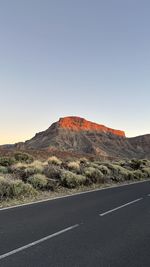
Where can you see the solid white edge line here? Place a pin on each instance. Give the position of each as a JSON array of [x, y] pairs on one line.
[[72, 195], [37, 242], [120, 207]]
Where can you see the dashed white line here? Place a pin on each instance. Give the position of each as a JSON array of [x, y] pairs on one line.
[[37, 242], [120, 207]]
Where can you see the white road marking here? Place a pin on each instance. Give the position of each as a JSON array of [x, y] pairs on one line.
[[37, 242], [148, 195], [120, 207], [72, 195]]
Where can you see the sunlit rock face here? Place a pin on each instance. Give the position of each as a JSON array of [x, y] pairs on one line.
[[80, 124]]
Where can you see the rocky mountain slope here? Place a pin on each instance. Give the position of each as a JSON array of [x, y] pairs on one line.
[[75, 134]]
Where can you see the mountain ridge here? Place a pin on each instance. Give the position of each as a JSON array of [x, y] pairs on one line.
[[80, 124], [77, 135]]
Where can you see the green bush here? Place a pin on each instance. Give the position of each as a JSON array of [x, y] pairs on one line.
[[20, 189], [93, 165], [93, 175], [23, 157], [3, 169], [72, 180], [117, 171], [6, 161], [146, 171], [138, 164], [104, 169], [5, 188], [133, 169], [15, 189], [38, 181], [121, 163], [51, 184], [130, 175], [139, 174]]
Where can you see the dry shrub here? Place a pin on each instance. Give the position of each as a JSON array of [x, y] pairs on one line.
[[53, 172], [38, 166], [6, 161], [72, 180], [15, 189], [74, 166], [54, 160], [23, 157], [146, 171], [38, 181], [93, 175]]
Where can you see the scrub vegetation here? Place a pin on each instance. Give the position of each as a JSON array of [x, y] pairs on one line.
[[22, 176]]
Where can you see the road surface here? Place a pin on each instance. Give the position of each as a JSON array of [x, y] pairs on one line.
[[105, 228]]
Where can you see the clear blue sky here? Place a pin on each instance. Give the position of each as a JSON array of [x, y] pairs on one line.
[[89, 58]]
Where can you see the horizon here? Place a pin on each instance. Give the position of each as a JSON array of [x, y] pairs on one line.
[[90, 59]]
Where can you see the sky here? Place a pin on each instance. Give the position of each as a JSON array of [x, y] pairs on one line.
[[87, 58]]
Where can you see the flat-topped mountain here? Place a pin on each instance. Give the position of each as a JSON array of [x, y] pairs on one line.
[[75, 134]]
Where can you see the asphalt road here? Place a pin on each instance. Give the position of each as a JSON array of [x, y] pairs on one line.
[[106, 228]]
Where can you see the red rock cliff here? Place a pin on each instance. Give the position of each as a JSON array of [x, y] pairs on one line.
[[80, 124]]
